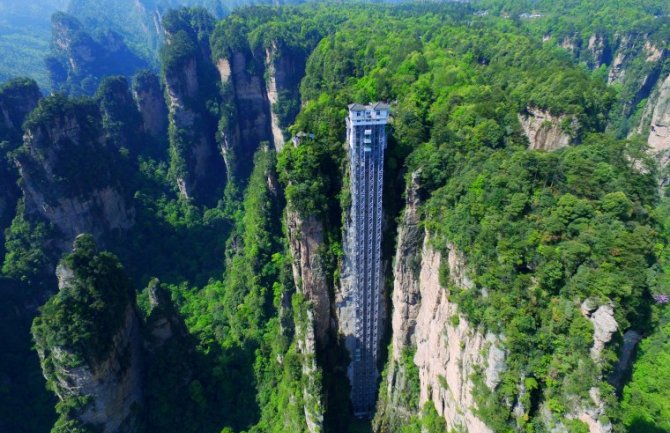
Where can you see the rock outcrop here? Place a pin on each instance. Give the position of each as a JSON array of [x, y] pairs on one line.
[[447, 349], [17, 99], [306, 345], [163, 323], [546, 131], [260, 83], [68, 172], [189, 81], [305, 235], [598, 50], [285, 68], [626, 48], [633, 60], [591, 410], [627, 59], [150, 101], [88, 339], [276, 75], [406, 296], [249, 124], [571, 43], [121, 119], [604, 325], [657, 118], [79, 61]]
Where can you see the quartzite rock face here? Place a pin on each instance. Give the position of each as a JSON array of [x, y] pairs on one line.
[[546, 131], [285, 68], [114, 384], [148, 95], [637, 64], [446, 351], [305, 240], [450, 353], [657, 116], [17, 99], [251, 122], [604, 326], [80, 61], [278, 70], [67, 173], [102, 371], [406, 296], [257, 86], [190, 83], [121, 119]]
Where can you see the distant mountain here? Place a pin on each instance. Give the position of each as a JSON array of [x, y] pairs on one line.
[[80, 59], [25, 31], [139, 21], [25, 27]]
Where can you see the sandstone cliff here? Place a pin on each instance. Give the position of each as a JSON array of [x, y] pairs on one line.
[[599, 50], [628, 47], [17, 99], [68, 172], [656, 118], [448, 351], [634, 61], [594, 50], [79, 60], [591, 409], [260, 91], [189, 82], [637, 64], [430, 336], [121, 119], [305, 235], [163, 322], [306, 346], [150, 102], [285, 66], [437, 355], [89, 342], [277, 74], [249, 122], [546, 131]]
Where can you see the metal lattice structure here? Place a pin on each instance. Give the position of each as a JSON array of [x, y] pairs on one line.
[[366, 136]]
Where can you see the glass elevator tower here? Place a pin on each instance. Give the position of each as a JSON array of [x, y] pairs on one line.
[[366, 136]]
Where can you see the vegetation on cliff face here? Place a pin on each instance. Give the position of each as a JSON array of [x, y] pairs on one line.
[[193, 99], [18, 98], [625, 42], [646, 406], [84, 316], [78, 327], [80, 59], [244, 321], [542, 232]]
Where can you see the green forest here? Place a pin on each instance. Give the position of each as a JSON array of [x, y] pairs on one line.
[[165, 241]]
